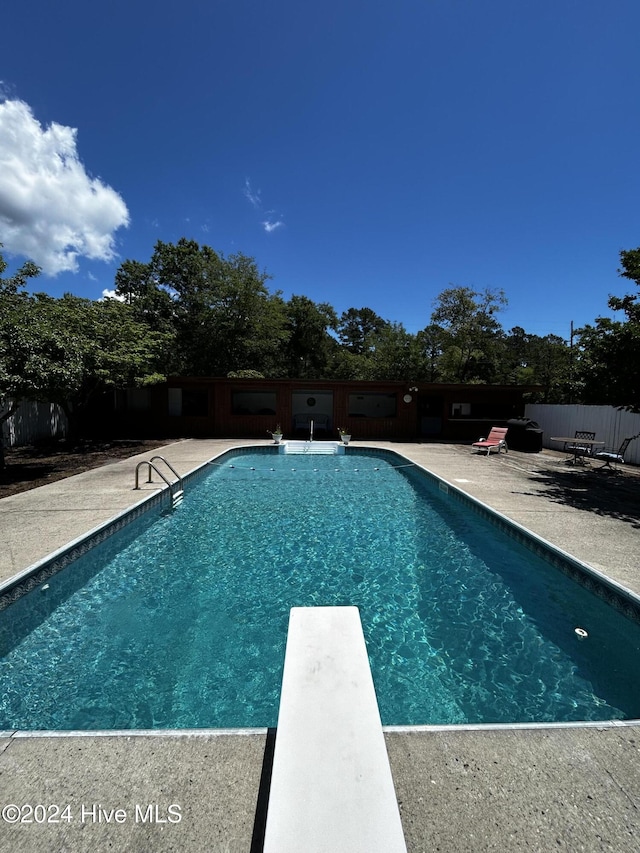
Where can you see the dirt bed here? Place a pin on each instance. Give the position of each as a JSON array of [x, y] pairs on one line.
[[36, 465]]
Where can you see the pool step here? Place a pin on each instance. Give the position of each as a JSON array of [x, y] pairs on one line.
[[330, 448], [176, 498], [331, 785]]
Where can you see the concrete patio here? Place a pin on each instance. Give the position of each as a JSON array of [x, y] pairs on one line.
[[534, 789]]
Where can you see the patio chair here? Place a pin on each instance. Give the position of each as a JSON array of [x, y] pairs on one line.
[[301, 422], [580, 449], [320, 422], [496, 440], [614, 456]]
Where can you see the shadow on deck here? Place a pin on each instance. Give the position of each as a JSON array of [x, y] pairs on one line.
[[608, 493]]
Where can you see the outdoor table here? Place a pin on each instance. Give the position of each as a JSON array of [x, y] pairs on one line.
[[577, 443]]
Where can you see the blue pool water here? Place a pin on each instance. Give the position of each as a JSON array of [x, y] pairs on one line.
[[180, 620]]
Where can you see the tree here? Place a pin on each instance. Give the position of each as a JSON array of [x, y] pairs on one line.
[[346, 365], [101, 345], [310, 348], [609, 352], [357, 329], [534, 360], [630, 303], [64, 350], [223, 316], [13, 387], [137, 285], [396, 355], [431, 342], [11, 286], [607, 364], [470, 333]]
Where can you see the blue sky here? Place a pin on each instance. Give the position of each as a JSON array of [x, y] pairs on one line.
[[365, 153]]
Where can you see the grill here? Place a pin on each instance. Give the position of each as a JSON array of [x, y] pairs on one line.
[[524, 434]]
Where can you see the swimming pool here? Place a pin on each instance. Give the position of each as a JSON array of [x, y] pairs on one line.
[[179, 620]]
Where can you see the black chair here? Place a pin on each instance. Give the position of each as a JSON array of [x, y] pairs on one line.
[[614, 456], [580, 449]]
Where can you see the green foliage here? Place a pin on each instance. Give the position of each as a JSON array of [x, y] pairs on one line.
[[63, 350], [226, 322], [609, 351], [190, 310], [432, 342], [11, 286], [469, 333], [245, 374], [347, 366], [310, 348], [357, 330], [150, 304], [395, 355], [13, 384], [630, 303], [533, 360], [222, 315], [607, 365]]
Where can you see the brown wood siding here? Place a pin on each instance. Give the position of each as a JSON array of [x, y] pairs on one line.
[[490, 405]]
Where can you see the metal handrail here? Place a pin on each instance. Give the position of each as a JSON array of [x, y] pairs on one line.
[[169, 466], [159, 473], [151, 465]]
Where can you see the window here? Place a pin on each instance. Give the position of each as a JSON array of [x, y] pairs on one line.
[[373, 405], [460, 410], [253, 402], [189, 402]]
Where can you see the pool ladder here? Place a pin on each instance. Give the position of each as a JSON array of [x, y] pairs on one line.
[[176, 494]]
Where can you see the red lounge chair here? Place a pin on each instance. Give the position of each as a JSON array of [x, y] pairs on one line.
[[496, 440]]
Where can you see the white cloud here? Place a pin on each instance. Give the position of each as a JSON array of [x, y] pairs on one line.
[[270, 226], [51, 210], [111, 294], [252, 195]]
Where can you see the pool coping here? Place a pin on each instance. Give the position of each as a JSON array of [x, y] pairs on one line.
[[250, 732]]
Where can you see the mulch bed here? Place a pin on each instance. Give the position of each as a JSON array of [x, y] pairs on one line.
[[36, 465]]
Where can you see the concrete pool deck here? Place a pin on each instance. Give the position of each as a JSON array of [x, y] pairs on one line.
[[535, 789]]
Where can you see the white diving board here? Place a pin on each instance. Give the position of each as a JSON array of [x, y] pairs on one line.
[[331, 785]]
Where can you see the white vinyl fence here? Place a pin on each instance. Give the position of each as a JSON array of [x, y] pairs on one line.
[[610, 425], [33, 422]]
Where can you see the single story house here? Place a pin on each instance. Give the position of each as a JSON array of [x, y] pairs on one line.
[[250, 408]]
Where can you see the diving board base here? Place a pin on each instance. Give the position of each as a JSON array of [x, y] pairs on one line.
[[331, 785]]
